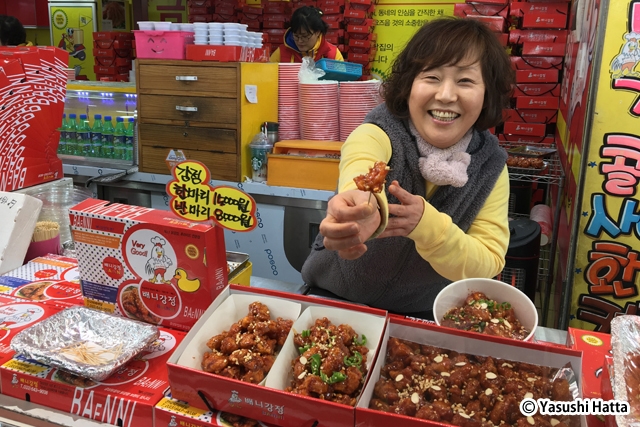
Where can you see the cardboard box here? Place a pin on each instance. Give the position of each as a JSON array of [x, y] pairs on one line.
[[506, 140], [548, 20], [519, 128], [137, 260], [497, 24], [463, 342], [540, 36], [594, 347], [537, 89], [47, 280], [126, 398], [523, 8], [19, 213], [536, 63], [305, 164], [16, 315], [543, 49], [270, 403], [537, 76], [463, 10], [538, 102], [530, 116], [227, 53]]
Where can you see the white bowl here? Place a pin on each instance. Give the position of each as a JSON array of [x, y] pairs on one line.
[[188, 27], [456, 293], [146, 25], [216, 41], [204, 39], [162, 26]]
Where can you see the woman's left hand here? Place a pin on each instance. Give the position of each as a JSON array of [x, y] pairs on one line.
[[406, 216]]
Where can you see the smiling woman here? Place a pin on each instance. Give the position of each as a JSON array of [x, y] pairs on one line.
[[444, 215]]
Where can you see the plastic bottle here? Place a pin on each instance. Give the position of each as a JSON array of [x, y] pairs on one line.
[[118, 139], [96, 136], [128, 139], [62, 146], [107, 138], [84, 136], [72, 132]]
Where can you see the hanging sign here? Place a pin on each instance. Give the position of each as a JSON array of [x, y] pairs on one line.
[[194, 199]]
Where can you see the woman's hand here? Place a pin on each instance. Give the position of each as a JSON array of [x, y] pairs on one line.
[[403, 218], [351, 219]]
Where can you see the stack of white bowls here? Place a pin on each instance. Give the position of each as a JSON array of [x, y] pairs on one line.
[[235, 34], [255, 40], [201, 30], [216, 33]]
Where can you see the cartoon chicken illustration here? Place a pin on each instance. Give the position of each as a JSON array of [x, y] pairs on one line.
[[158, 264], [184, 283], [625, 62], [19, 318], [14, 379], [172, 422]]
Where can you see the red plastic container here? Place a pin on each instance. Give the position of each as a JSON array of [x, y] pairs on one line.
[[162, 44]]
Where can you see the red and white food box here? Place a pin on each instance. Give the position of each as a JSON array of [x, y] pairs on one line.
[[463, 10], [523, 8], [594, 346], [126, 398], [525, 140], [520, 128], [496, 23], [16, 315], [227, 53], [535, 63], [530, 116], [45, 279], [541, 20], [537, 89], [542, 36], [538, 102], [537, 76], [173, 412], [543, 49], [147, 264], [462, 342], [268, 403]]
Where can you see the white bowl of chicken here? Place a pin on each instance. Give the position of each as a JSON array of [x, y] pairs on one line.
[[486, 306]]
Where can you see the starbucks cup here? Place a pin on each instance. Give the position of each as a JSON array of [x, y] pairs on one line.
[[260, 148]]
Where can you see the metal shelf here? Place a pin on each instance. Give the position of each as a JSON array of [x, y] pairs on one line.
[[553, 174]]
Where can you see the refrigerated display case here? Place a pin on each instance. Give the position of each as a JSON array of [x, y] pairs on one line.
[[114, 99]]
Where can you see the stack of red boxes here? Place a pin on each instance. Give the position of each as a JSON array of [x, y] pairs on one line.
[[252, 16], [200, 10], [537, 38], [224, 11], [360, 40], [275, 20], [113, 55]]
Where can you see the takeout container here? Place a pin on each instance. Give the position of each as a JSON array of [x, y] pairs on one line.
[[455, 294], [532, 151], [126, 398], [273, 406], [463, 342]]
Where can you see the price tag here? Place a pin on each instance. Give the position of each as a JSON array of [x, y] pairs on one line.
[[193, 198]]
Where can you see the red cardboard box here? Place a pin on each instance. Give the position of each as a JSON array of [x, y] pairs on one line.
[[361, 29], [100, 69], [112, 35], [522, 8], [521, 128], [535, 63], [276, 7], [465, 9], [47, 280], [507, 140], [530, 116], [543, 49], [538, 102], [501, 2], [539, 20], [496, 23], [150, 262], [114, 62], [537, 89], [537, 76], [594, 346], [460, 341], [541, 36], [16, 315], [273, 405], [227, 53], [126, 398], [112, 53]]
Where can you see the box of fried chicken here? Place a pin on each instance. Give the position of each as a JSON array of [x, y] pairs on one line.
[[125, 399], [426, 375], [280, 358], [147, 264], [173, 412], [16, 315], [51, 279]]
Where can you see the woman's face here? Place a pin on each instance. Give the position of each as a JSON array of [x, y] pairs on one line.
[[446, 101], [305, 40]]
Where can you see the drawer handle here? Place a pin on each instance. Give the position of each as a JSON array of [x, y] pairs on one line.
[[187, 78], [189, 109]]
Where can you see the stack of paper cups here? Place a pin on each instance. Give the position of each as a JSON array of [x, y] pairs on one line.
[[542, 215]]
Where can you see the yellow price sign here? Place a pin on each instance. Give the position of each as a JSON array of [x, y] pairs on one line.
[[193, 198]]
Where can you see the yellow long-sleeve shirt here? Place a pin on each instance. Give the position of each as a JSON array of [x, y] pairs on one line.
[[452, 253]]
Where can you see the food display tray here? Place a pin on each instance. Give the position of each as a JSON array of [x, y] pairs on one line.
[[236, 262], [529, 171], [532, 151]]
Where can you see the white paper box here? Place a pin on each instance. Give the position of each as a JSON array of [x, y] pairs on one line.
[[18, 216]]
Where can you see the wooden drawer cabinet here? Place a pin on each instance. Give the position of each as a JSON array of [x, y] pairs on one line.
[[202, 109]]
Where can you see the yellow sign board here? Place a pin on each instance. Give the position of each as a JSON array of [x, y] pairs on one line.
[[192, 198]]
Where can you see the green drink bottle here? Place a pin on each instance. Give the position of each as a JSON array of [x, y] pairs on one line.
[[107, 138], [118, 139]]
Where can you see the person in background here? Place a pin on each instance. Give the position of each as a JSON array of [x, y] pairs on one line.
[[306, 37], [443, 214], [12, 32]]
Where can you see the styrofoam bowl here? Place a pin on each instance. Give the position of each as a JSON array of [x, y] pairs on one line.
[[455, 294], [204, 39], [162, 26], [188, 27], [199, 32], [216, 41], [146, 25], [232, 32]]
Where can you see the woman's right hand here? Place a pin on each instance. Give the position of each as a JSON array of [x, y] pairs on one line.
[[352, 217]]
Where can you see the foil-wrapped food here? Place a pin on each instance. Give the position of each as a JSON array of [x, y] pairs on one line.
[[625, 344], [85, 342]]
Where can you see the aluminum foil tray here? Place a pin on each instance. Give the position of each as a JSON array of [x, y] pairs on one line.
[[236, 262], [85, 342]]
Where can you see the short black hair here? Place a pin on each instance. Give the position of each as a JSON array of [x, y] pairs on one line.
[[309, 19], [12, 32], [447, 41]]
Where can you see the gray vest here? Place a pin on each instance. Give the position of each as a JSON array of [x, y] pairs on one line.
[[392, 275]]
